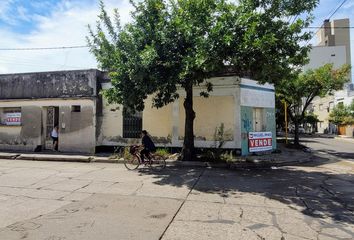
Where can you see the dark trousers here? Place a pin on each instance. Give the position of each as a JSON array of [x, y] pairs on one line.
[[55, 143], [145, 152]]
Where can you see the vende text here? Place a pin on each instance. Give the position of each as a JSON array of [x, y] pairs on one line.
[[260, 142]]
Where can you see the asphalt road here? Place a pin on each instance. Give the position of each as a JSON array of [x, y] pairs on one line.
[[341, 148], [75, 201]]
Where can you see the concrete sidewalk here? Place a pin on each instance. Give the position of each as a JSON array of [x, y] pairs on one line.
[[286, 157]]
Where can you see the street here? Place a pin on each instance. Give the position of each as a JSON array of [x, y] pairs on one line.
[[340, 148], [59, 200]]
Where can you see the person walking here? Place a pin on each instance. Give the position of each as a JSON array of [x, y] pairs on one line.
[[55, 136]]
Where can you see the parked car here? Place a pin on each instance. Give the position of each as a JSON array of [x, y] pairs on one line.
[[291, 129]]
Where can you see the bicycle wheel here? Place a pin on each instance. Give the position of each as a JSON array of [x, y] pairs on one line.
[[132, 163], [157, 162]]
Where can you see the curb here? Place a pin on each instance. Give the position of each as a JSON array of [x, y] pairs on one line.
[[9, 156], [258, 164]]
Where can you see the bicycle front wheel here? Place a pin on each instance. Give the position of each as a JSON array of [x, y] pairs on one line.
[[132, 163], [157, 162]]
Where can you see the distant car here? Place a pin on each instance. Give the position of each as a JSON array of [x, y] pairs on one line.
[[292, 129]]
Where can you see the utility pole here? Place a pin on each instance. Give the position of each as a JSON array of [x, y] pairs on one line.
[[286, 122]]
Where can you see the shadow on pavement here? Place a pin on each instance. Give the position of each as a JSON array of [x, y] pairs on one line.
[[316, 192]]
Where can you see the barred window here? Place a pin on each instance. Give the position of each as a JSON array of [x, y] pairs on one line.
[[132, 124]]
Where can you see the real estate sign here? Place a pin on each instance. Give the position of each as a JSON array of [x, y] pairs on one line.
[[259, 141], [13, 119]]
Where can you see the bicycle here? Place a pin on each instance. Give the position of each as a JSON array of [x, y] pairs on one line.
[[154, 161]]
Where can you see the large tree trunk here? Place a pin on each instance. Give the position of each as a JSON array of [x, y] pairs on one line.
[[188, 144], [296, 137]]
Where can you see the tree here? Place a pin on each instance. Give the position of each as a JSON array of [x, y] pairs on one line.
[[342, 114], [172, 44], [304, 87]]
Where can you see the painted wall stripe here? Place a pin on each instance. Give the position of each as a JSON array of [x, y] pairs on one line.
[[256, 88]]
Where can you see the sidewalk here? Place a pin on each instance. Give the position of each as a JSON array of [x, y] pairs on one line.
[[286, 157], [346, 138]]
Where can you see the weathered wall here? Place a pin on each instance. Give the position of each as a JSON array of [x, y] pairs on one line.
[[110, 124], [48, 84], [254, 95], [257, 95], [78, 134], [222, 107], [158, 122], [211, 112], [24, 137], [76, 129], [246, 127]]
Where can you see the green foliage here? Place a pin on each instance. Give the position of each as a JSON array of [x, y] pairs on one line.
[[342, 114], [163, 152], [310, 118], [299, 91], [171, 43], [121, 152], [174, 44]]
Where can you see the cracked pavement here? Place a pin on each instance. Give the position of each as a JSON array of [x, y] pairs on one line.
[[60, 201]]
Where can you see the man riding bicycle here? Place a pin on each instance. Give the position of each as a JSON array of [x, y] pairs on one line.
[[147, 144]]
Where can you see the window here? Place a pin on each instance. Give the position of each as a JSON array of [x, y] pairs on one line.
[[132, 124], [10, 116], [75, 108], [321, 107], [340, 104]]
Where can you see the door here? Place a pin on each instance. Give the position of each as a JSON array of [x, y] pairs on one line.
[[258, 119], [52, 119]]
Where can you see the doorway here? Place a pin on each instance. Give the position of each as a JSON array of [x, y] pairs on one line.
[[51, 120]]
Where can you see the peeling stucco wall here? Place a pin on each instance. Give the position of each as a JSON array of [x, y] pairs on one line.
[[110, 125], [76, 129], [28, 135], [210, 112], [78, 134]]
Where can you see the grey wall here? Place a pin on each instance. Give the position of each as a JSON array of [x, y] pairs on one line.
[[30, 134], [76, 129], [49, 84]]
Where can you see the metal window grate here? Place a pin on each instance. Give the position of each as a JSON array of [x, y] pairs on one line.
[[132, 124]]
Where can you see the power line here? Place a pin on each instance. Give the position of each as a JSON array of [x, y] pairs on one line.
[[42, 48], [85, 46], [294, 19], [335, 11], [331, 15]]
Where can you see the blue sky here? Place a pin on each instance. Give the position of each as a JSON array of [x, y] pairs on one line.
[[47, 23]]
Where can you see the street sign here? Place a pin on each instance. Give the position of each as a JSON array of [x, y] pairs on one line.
[[259, 141]]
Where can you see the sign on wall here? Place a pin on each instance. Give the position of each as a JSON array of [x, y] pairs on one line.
[[13, 119], [259, 141]]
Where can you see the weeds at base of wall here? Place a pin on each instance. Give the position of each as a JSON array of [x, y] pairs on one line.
[[121, 153], [124, 153]]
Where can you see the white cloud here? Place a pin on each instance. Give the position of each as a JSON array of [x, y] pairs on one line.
[[66, 26]]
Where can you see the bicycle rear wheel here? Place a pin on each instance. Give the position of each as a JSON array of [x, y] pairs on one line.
[[157, 162], [132, 163]]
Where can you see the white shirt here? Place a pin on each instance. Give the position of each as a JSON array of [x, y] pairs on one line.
[[54, 133]]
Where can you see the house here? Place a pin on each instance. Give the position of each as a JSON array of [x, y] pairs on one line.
[[31, 104]]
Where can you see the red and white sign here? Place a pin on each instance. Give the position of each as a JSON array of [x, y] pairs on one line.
[[13, 119], [259, 141]]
